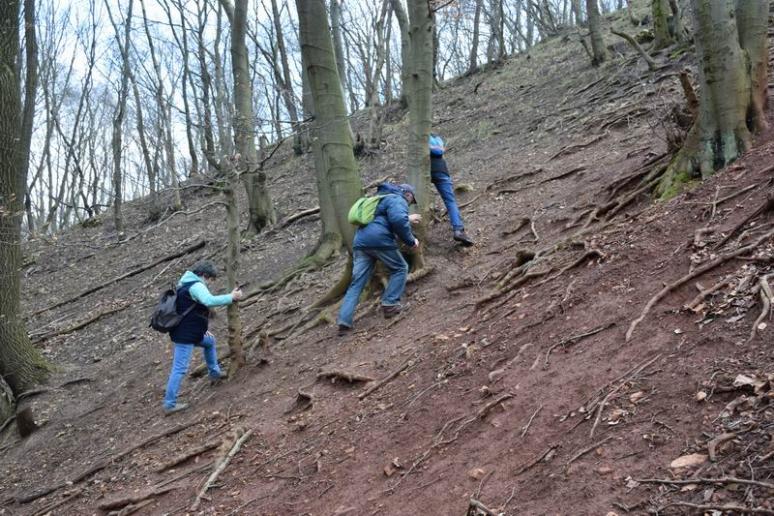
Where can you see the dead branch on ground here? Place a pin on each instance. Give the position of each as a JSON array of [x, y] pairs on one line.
[[584, 451], [82, 324], [220, 468], [298, 216], [529, 423], [766, 298], [539, 458], [195, 452], [723, 509], [721, 481], [476, 508], [133, 272], [688, 277], [575, 339]]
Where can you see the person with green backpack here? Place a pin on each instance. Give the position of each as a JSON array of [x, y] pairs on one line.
[[381, 219]]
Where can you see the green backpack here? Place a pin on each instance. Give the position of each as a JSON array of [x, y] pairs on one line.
[[362, 212]]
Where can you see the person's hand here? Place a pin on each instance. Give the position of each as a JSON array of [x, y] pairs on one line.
[[415, 218], [416, 244], [237, 294]]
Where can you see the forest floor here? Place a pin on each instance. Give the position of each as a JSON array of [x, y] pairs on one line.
[[525, 397]]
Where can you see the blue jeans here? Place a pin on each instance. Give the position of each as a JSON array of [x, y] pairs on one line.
[[363, 263], [180, 360], [443, 184]]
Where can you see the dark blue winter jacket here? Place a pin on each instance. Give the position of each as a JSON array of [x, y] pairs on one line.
[[390, 219]]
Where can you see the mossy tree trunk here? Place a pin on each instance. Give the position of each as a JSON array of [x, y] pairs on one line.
[[661, 14], [598, 50], [259, 201], [338, 179], [419, 93], [21, 366], [732, 51]]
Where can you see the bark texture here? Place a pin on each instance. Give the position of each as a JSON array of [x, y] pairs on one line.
[[21, 366], [598, 50], [661, 14], [731, 47]]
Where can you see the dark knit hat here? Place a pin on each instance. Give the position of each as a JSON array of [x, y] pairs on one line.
[[205, 268]]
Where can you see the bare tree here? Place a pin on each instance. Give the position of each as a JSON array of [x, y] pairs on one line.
[[598, 49]]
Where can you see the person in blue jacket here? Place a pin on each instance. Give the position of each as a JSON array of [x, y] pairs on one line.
[[192, 329], [376, 241], [439, 175]]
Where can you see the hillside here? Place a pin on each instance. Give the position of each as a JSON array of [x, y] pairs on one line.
[[529, 399]]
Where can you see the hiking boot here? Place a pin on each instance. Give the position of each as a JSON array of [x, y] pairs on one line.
[[391, 310], [461, 237], [217, 380], [344, 330], [177, 407]]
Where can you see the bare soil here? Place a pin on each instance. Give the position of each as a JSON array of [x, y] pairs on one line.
[[505, 401]]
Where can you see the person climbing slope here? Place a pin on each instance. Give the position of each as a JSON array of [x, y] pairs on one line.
[[439, 175], [376, 241], [193, 328]]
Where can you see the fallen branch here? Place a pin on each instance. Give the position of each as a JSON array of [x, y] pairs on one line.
[[132, 499], [134, 272], [475, 508], [82, 324], [531, 464], [195, 452], [601, 407], [340, 374], [104, 463], [219, 469], [688, 277], [584, 451], [712, 446], [300, 215], [637, 47], [701, 296], [571, 149], [390, 377]]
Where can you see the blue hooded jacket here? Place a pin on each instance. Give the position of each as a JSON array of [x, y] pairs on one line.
[[192, 289], [390, 219]]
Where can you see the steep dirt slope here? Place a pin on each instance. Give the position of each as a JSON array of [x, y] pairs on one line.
[[494, 398]]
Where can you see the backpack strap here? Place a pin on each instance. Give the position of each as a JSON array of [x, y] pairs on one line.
[[188, 293]]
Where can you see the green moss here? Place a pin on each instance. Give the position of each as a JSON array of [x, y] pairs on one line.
[[674, 183]]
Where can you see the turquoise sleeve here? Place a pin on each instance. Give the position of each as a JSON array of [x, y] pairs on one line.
[[201, 294]]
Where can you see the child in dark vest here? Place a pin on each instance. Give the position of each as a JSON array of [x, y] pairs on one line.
[[439, 175], [192, 330]]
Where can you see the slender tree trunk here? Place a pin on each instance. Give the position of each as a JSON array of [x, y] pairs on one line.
[[259, 201], [374, 139], [403, 24], [118, 121], [420, 66], [287, 80], [30, 91], [732, 51], [598, 49], [660, 13], [232, 267], [473, 60], [335, 162], [21, 366]]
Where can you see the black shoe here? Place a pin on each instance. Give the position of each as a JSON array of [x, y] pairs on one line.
[[217, 380], [177, 407], [344, 330], [391, 310], [461, 237]]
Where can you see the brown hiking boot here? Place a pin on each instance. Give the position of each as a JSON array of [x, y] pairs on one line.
[[391, 310]]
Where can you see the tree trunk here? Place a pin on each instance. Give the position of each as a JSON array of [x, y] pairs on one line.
[[232, 267], [21, 366], [420, 75], [30, 90], [259, 202], [374, 139], [287, 80], [338, 48], [598, 49], [732, 50], [473, 60], [661, 16], [338, 179], [403, 25]]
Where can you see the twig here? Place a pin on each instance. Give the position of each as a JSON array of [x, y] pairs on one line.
[[688, 277], [584, 451], [535, 461], [132, 499], [219, 469], [526, 427], [723, 480], [475, 507], [601, 407], [766, 298], [730, 508], [408, 363], [576, 338], [188, 455]]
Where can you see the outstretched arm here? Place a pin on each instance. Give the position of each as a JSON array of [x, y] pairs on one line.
[[398, 216], [201, 294]]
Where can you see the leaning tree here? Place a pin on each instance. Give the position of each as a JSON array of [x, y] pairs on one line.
[[732, 53]]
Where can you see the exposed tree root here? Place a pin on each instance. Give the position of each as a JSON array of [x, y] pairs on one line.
[[539, 458], [701, 296], [387, 379], [584, 451], [572, 149], [476, 508], [82, 324], [510, 179], [118, 503], [298, 216], [766, 207], [576, 338], [563, 175], [637, 47], [338, 289], [519, 224], [766, 298], [195, 452], [723, 509], [688, 277]]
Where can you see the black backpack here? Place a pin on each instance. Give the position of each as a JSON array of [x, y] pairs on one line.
[[165, 317]]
